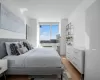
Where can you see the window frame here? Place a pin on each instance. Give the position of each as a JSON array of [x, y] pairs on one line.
[[54, 23]]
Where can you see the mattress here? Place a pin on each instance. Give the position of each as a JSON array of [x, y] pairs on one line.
[[39, 57]]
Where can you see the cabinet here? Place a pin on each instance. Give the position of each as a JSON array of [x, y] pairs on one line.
[[77, 57]]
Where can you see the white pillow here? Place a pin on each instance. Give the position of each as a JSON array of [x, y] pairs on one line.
[[7, 44], [22, 50], [25, 49]]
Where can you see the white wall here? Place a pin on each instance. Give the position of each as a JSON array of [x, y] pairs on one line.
[[77, 18], [92, 67], [10, 34], [64, 23], [14, 9], [32, 31], [38, 34], [86, 20]]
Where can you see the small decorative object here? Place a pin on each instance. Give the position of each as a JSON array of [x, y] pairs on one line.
[[69, 35]]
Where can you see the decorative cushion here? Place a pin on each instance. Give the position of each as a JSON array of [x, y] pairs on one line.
[[20, 44], [22, 50], [31, 46], [27, 45], [14, 48], [7, 44]]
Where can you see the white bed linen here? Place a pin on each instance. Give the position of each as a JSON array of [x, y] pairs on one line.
[[39, 57]]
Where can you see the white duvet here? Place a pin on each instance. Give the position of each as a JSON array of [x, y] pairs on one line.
[[39, 57]]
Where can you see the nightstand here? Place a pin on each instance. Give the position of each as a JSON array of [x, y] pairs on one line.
[[3, 67]]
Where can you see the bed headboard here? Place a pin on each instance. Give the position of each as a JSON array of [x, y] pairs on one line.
[[3, 52]]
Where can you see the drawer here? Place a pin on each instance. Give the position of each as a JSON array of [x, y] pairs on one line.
[[77, 59], [70, 57], [78, 64], [77, 67], [69, 49], [78, 53]]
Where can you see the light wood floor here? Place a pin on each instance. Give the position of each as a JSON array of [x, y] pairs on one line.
[[73, 72]]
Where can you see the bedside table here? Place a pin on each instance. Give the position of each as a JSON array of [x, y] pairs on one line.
[[3, 67]]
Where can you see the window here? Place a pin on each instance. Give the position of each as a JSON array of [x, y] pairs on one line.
[[44, 32], [54, 31], [48, 32]]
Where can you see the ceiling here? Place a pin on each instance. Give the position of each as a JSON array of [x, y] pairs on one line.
[[44, 10]]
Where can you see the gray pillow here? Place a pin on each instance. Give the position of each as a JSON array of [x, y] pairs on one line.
[[22, 50], [21, 44], [27, 45]]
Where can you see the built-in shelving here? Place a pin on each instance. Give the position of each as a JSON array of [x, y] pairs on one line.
[[69, 34]]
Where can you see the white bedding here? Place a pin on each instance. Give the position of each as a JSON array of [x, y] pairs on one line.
[[39, 57]]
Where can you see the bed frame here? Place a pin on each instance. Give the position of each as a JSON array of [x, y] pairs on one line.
[[27, 71]]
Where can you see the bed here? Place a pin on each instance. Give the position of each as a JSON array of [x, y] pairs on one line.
[[38, 61]]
